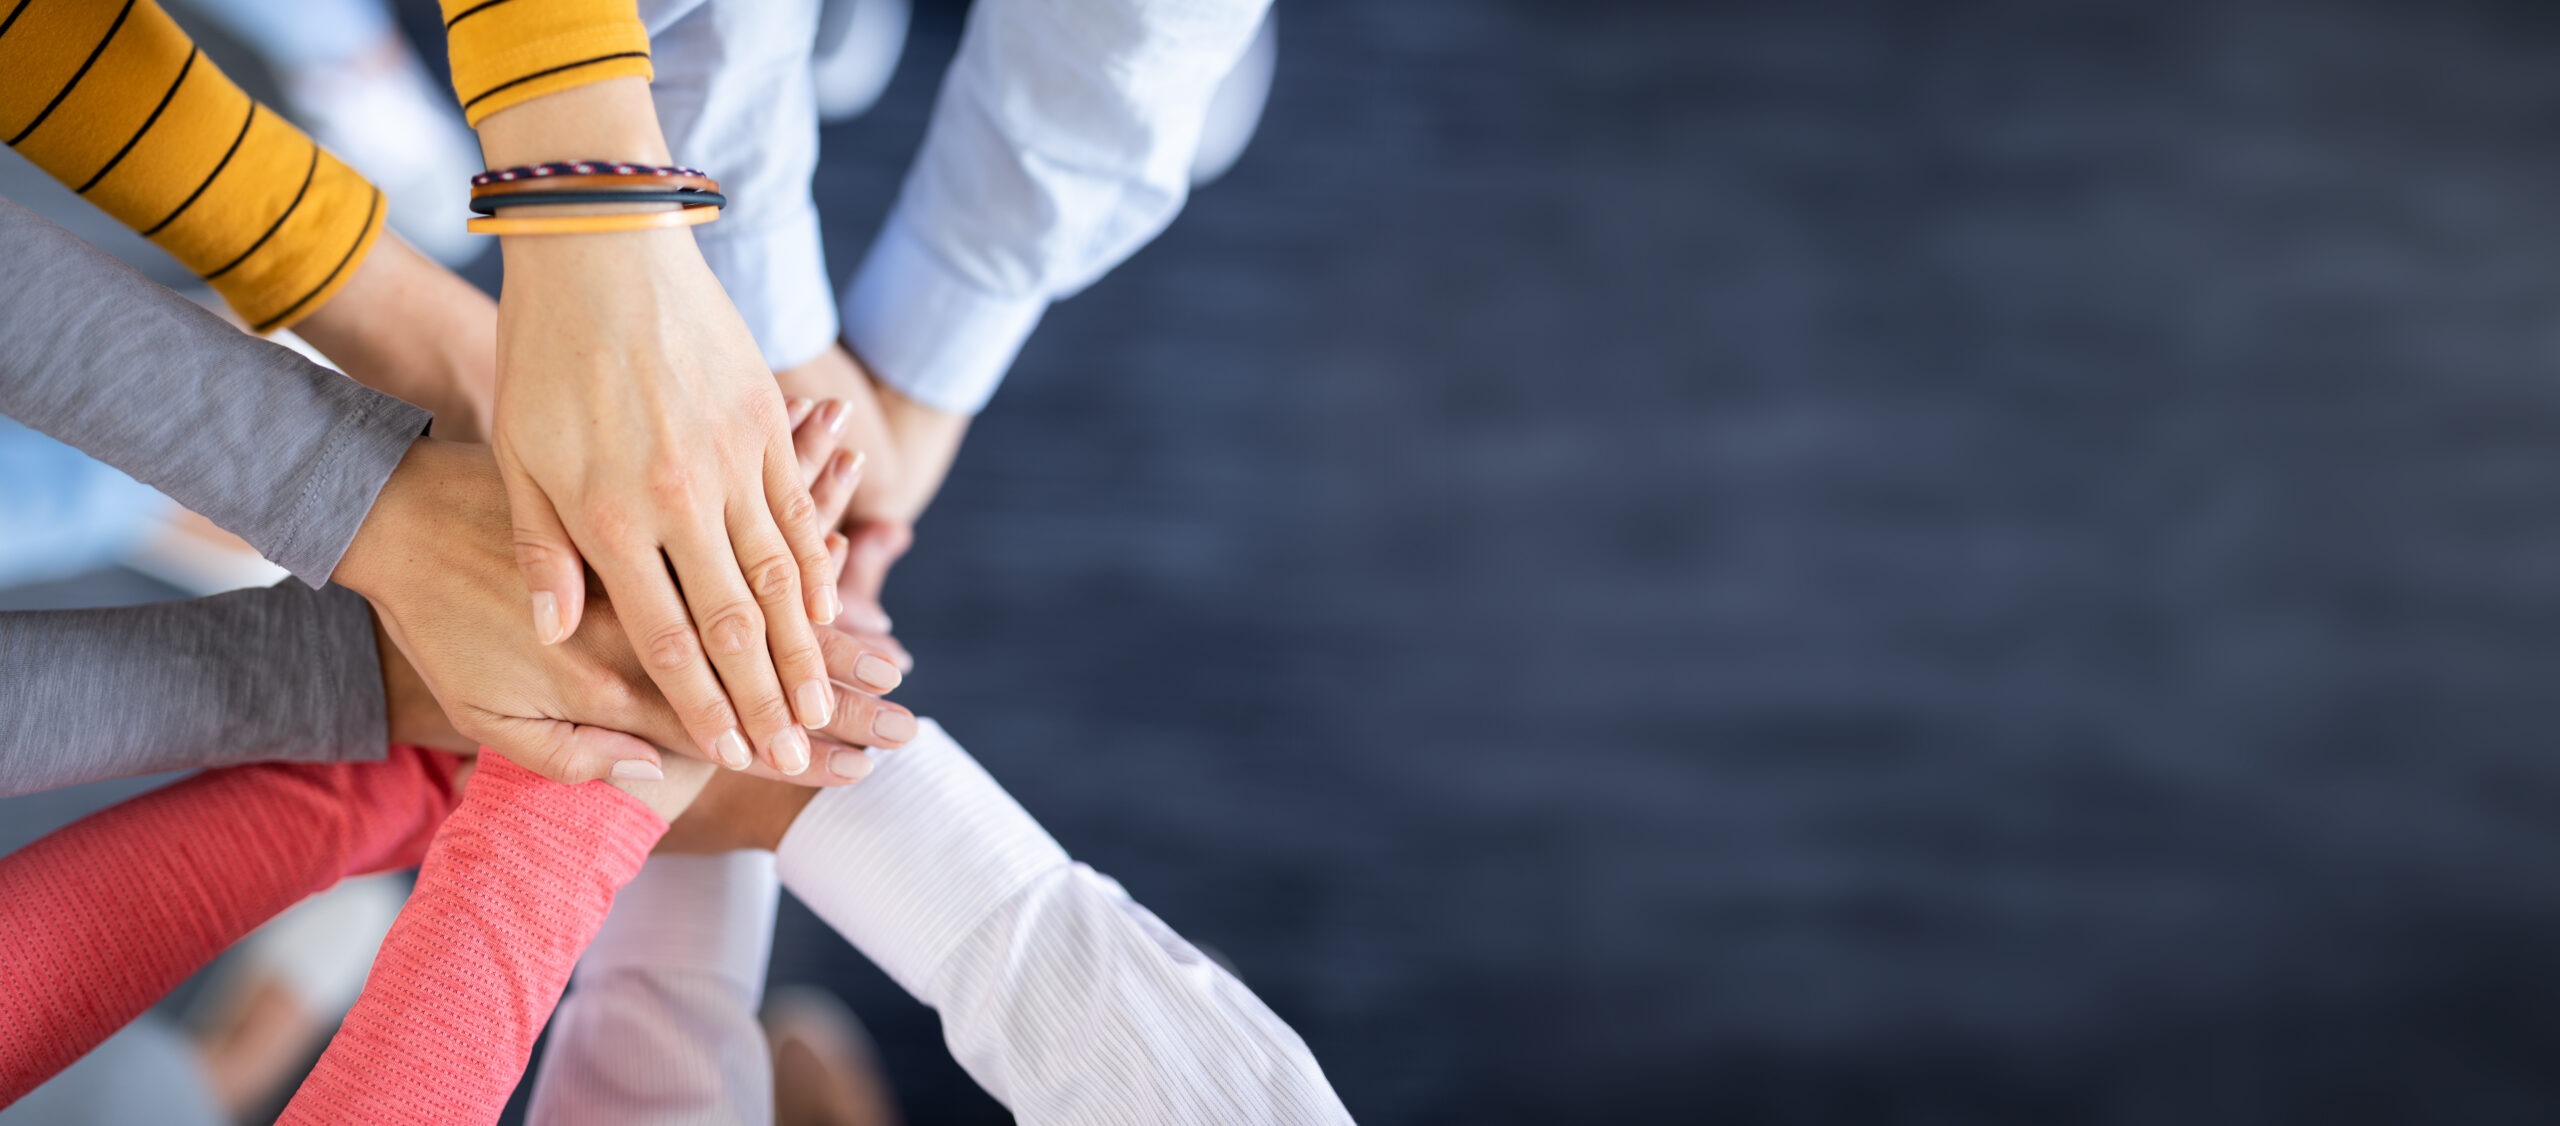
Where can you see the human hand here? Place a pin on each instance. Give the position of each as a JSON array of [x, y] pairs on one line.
[[640, 433], [407, 327], [910, 448], [433, 559], [734, 812]]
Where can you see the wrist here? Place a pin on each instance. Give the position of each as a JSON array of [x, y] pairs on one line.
[[423, 513], [609, 120], [412, 329]]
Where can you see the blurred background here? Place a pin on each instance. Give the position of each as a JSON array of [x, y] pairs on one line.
[[1796, 562]]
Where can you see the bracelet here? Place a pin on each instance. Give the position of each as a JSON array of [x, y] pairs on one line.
[[580, 168], [489, 205], [593, 224], [573, 181]]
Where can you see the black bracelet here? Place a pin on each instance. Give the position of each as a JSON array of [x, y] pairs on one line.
[[489, 205]]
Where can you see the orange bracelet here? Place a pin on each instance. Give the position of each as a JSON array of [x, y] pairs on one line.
[[592, 224]]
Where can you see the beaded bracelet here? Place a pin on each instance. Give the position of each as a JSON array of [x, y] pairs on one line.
[[580, 168]]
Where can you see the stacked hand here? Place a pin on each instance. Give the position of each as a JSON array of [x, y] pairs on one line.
[[460, 669]]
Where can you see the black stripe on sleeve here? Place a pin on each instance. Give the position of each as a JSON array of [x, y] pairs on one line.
[[76, 75], [218, 166], [147, 122], [272, 228], [467, 13], [12, 21], [372, 208], [547, 72]]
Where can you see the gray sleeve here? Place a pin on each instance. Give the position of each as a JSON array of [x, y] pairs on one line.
[[282, 674], [282, 452]]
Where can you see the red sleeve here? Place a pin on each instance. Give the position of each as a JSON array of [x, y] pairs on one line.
[[512, 890], [108, 914]]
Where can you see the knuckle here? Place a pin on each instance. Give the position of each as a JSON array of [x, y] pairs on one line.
[[770, 714], [774, 579], [670, 483], [735, 629], [799, 508], [669, 647], [708, 715]]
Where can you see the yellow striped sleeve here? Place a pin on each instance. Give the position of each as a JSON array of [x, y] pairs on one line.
[[114, 101], [510, 51]]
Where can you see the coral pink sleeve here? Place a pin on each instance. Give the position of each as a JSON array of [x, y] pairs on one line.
[[108, 914], [510, 894]]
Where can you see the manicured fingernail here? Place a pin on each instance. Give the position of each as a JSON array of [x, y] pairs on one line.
[[546, 617], [792, 405], [834, 415], [731, 749], [895, 727], [877, 674], [638, 770], [840, 467], [824, 605], [791, 751], [849, 764], [817, 704]]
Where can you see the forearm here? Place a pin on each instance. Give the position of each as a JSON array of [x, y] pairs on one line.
[[111, 912], [281, 674], [1067, 1001], [411, 329], [286, 454], [512, 890]]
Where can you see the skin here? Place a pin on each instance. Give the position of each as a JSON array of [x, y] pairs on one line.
[[410, 328], [432, 558], [638, 432]]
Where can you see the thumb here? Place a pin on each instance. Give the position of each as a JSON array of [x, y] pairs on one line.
[[553, 572], [571, 753]]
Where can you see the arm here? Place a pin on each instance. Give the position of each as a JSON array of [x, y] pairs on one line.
[[283, 674], [515, 885], [662, 1024], [1066, 1000], [111, 912], [280, 451]]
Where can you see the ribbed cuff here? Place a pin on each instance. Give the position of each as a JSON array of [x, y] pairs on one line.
[[776, 274], [906, 863], [708, 913], [926, 330]]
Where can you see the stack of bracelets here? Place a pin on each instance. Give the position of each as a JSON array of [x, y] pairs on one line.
[[592, 181]]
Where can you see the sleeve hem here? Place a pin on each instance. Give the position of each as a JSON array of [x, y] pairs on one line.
[[923, 329]]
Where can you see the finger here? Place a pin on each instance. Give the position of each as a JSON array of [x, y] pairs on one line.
[[831, 489], [662, 633], [772, 574], [863, 662], [868, 721], [734, 613], [553, 571], [877, 545], [570, 752], [796, 409], [837, 548], [804, 537], [818, 434]]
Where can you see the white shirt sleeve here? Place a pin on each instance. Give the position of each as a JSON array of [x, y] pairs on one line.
[[1066, 1000], [1061, 143], [660, 1022]]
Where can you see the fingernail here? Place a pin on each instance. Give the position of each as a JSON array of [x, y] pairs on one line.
[[793, 404], [877, 674], [849, 764], [638, 770], [546, 617], [835, 413], [791, 751], [896, 727], [840, 467], [824, 605], [731, 748], [817, 704]]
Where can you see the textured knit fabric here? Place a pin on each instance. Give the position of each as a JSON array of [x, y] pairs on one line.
[[283, 674], [511, 892], [282, 452], [118, 104], [506, 52], [1066, 1000], [106, 915]]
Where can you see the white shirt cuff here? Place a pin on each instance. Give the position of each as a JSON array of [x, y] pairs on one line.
[[907, 862], [925, 330], [707, 913], [776, 275]]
